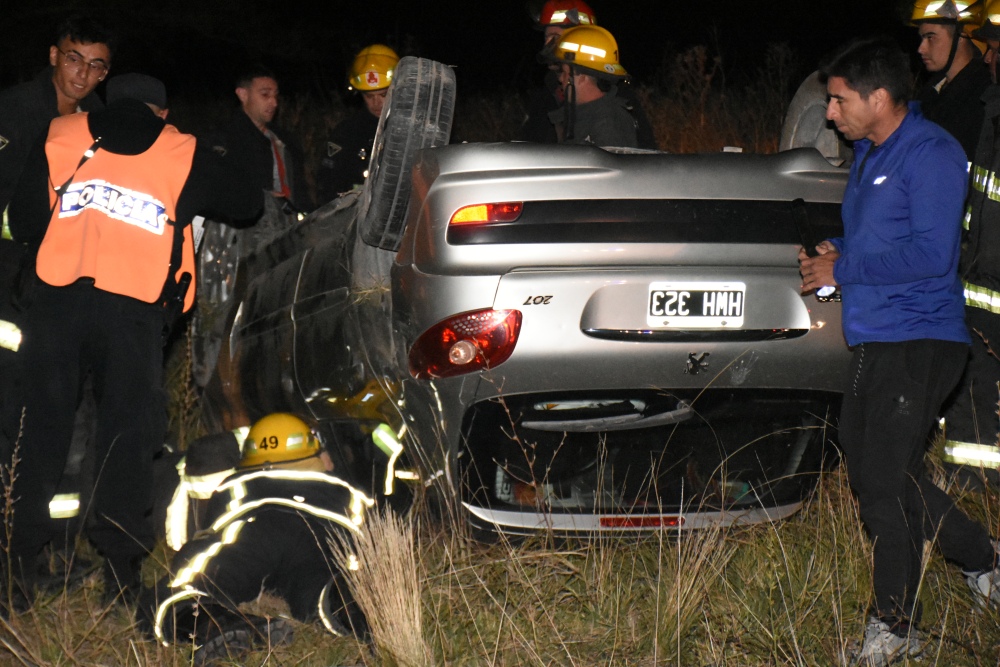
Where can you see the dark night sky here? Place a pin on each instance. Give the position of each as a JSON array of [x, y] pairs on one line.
[[196, 45]]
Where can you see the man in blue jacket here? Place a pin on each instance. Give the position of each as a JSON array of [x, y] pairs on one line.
[[903, 316]]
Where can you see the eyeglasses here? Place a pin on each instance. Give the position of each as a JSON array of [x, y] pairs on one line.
[[74, 60]]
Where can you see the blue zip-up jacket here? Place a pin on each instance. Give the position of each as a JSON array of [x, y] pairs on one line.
[[902, 216]]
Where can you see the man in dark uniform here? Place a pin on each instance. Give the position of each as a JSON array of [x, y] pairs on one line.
[[250, 141], [971, 425], [554, 18], [589, 71], [115, 264], [348, 151], [952, 97], [78, 61], [270, 526]]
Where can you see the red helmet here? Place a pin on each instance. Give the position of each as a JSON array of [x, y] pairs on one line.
[[566, 13]]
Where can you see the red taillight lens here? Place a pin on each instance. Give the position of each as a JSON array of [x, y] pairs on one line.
[[465, 343], [478, 213], [639, 521]]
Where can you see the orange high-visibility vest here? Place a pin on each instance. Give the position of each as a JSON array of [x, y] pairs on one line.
[[113, 222]]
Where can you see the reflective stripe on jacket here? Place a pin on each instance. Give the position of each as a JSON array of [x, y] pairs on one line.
[[114, 221], [980, 263]]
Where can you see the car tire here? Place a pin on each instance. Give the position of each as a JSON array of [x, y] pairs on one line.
[[418, 114]]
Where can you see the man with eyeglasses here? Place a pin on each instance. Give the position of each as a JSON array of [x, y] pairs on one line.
[[78, 61]]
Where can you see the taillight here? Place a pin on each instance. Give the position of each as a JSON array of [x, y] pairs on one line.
[[640, 521], [478, 213], [465, 343]]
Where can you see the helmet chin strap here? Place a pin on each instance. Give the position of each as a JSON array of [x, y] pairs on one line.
[[954, 49], [569, 105]]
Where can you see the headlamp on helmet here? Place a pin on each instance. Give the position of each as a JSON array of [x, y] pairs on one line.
[[566, 14]]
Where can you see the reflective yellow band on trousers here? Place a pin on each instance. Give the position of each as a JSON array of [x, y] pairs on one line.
[[970, 453], [64, 505], [10, 336]]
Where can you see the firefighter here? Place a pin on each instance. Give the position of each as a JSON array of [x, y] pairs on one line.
[[186, 480], [348, 151], [589, 70], [958, 77], [971, 425], [269, 527], [553, 19], [557, 16]]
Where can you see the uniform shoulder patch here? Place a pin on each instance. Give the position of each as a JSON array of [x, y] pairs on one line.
[[3, 142], [332, 149]]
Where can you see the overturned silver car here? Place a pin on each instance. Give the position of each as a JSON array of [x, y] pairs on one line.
[[562, 338]]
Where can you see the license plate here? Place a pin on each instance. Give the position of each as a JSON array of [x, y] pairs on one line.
[[696, 305]]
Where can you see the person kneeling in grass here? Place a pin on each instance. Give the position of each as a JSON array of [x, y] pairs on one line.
[[270, 526]]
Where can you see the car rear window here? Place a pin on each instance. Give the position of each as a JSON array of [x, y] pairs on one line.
[[658, 221]]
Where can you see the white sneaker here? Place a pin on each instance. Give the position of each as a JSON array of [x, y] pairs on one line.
[[883, 647], [986, 585]]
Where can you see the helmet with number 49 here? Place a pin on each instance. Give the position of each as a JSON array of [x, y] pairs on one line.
[[279, 438]]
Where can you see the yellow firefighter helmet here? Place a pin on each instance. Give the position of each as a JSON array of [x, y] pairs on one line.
[[990, 29], [279, 438], [373, 68], [590, 47]]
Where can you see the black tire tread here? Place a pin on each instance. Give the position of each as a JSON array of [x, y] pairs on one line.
[[419, 111]]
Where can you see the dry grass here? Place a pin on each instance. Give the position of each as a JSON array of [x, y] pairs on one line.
[[383, 578], [788, 593]]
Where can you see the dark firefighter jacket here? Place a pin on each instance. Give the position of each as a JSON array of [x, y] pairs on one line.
[[348, 155], [316, 503], [958, 108], [546, 98], [980, 261]]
